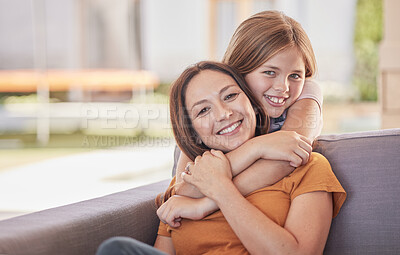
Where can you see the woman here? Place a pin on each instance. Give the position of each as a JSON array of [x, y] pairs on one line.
[[216, 111]]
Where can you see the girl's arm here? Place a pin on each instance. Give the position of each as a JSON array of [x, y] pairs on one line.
[[306, 228], [177, 207], [164, 243], [305, 116], [282, 146]]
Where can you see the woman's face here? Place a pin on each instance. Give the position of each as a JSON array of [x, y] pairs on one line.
[[279, 81], [220, 111]]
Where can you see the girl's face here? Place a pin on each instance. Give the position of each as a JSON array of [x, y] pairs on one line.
[[220, 111], [279, 81]]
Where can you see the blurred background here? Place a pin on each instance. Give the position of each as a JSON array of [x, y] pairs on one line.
[[84, 85]]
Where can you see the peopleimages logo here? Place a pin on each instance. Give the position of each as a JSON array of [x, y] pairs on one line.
[[124, 116]]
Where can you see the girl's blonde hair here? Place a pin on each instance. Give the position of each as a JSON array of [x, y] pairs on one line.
[[262, 36]]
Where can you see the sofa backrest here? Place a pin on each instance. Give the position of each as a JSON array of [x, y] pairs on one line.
[[367, 165]]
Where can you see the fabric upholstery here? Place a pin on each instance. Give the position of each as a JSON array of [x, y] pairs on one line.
[[368, 166], [80, 228]]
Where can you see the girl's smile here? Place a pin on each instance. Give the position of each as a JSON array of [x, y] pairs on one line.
[[279, 81]]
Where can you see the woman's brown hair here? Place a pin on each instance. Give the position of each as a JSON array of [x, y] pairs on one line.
[[185, 135], [263, 35]]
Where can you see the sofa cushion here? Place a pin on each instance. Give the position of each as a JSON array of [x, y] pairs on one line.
[[368, 166]]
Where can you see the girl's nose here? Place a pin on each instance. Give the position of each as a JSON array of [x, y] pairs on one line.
[[281, 85]]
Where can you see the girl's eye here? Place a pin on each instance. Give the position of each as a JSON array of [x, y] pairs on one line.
[[269, 72], [231, 96], [295, 76], [203, 111]]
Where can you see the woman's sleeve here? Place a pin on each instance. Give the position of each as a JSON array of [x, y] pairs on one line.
[[163, 230], [317, 175]]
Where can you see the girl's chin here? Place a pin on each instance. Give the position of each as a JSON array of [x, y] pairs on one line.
[[275, 113]]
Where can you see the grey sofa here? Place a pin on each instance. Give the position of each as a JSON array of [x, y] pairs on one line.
[[366, 163]]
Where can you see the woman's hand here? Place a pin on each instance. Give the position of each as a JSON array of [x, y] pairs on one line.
[[178, 207], [208, 173], [284, 145]]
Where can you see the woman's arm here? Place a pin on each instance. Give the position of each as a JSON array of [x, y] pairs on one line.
[[164, 244], [306, 228]]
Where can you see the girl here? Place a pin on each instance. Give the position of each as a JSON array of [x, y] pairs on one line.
[[274, 54]]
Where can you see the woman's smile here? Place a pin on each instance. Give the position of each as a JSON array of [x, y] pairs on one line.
[[231, 129], [221, 113]]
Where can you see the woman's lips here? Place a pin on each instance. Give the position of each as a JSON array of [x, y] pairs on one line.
[[230, 129]]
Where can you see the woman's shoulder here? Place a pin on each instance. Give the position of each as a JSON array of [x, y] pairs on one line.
[[317, 175]]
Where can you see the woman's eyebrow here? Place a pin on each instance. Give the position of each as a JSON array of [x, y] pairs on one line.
[[225, 88], [205, 100], [198, 102]]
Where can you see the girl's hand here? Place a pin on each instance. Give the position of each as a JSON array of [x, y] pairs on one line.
[[285, 145], [178, 207], [209, 173]]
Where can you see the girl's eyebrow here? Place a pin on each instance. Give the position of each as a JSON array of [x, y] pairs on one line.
[[205, 100], [277, 68]]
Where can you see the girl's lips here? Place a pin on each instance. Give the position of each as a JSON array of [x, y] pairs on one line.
[[275, 101], [230, 129]]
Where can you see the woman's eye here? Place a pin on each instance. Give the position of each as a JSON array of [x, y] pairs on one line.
[[269, 72], [231, 96], [203, 111]]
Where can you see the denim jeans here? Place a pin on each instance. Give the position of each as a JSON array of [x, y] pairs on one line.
[[126, 246]]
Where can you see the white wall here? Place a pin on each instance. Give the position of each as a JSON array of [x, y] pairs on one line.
[[174, 35]]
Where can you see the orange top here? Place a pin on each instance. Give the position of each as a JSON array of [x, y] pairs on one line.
[[213, 235]]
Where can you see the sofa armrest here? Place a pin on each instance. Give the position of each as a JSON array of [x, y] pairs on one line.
[[79, 228]]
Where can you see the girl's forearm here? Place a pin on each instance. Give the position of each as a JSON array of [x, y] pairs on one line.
[[261, 174], [185, 189], [305, 118], [244, 156]]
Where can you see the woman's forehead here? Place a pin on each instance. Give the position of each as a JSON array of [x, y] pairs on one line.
[[207, 84]]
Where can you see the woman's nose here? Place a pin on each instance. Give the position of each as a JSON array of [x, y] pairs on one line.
[[223, 112]]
